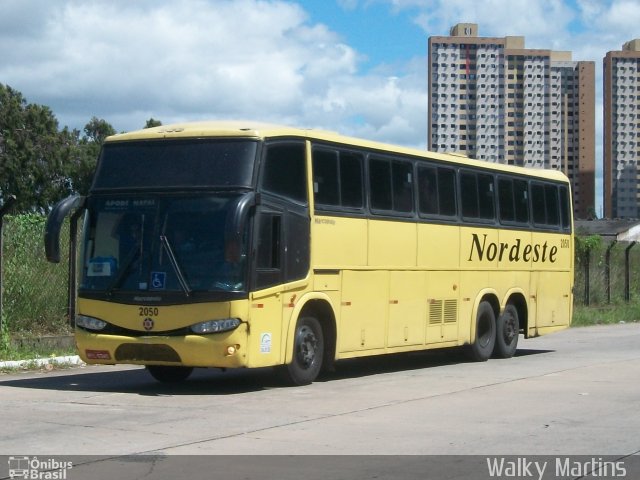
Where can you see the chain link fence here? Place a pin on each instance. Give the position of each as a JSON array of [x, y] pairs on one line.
[[35, 291]]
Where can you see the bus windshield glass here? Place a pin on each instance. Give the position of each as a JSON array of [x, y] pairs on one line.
[[162, 244], [192, 163]]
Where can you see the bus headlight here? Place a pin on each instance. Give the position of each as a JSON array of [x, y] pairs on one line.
[[90, 323], [216, 326]]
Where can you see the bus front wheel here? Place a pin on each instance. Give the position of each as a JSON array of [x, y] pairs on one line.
[[308, 353], [169, 374], [508, 329], [482, 347]]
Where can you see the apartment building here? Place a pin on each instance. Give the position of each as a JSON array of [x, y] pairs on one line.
[[621, 144], [492, 99]]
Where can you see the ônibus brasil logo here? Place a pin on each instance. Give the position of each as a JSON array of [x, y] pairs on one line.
[[33, 468]]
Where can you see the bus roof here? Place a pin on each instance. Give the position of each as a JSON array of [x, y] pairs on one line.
[[261, 130]]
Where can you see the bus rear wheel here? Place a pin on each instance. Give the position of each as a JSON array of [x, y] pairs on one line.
[[482, 347], [508, 329], [308, 353], [169, 374]]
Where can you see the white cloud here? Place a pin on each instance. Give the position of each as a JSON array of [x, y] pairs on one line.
[[262, 59], [623, 15], [194, 59]]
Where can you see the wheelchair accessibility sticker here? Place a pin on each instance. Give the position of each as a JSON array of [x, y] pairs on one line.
[[158, 280]]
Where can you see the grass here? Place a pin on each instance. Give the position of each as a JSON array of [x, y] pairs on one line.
[[49, 364], [605, 315], [33, 356], [29, 353]]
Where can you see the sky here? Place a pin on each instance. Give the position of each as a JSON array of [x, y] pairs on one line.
[[358, 67]]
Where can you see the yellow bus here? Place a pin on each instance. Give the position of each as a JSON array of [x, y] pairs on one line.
[[238, 244]]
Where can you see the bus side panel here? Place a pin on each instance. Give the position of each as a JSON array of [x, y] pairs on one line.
[[407, 308], [552, 282], [363, 310], [338, 241], [392, 244], [438, 246], [553, 299], [265, 341]]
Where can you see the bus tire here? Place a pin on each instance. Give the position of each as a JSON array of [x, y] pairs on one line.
[[507, 331], [482, 347], [308, 353], [169, 374]]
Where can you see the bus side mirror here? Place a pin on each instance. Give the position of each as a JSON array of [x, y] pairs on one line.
[[54, 225], [236, 224], [237, 219]]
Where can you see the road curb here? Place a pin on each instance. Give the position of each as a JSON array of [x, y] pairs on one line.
[[49, 362]]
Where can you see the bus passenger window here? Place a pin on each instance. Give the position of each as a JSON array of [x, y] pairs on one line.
[[380, 184], [506, 200], [537, 204], [325, 177], [469, 194], [485, 197], [564, 208], [284, 171], [268, 251], [337, 178], [551, 200], [402, 186], [521, 197], [447, 191], [351, 180], [427, 190]]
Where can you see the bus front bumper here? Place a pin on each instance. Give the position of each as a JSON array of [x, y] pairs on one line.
[[221, 350]]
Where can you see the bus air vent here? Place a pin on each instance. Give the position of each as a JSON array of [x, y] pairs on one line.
[[435, 312], [450, 311]]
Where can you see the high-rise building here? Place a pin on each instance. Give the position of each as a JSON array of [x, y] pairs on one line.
[[621, 72], [494, 100]]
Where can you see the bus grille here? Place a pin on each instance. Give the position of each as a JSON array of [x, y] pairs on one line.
[[131, 352]]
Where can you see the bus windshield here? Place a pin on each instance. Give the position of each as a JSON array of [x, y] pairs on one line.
[[162, 244], [192, 163]]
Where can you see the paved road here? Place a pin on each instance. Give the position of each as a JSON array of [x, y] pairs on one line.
[[576, 392]]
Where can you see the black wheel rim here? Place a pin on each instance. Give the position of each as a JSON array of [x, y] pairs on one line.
[[306, 347], [509, 328]]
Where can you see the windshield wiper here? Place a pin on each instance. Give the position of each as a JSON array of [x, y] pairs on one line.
[[126, 265], [174, 263]]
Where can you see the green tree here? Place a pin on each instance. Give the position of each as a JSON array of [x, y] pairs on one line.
[[152, 122], [82, 159], [39, 163], [31, 158], [97, 130]]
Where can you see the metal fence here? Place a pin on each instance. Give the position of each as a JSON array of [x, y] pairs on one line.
[[608, 274], [34, 299]]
